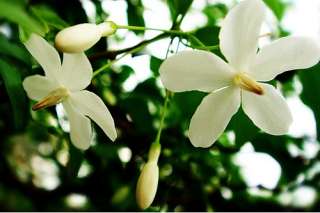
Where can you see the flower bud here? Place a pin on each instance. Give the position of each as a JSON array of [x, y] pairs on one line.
[[147, 184], [79, 38]]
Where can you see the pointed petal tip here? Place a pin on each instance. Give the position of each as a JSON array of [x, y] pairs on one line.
[[113, 137]]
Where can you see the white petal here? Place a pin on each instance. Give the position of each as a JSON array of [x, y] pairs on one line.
[[195, 70], [269, 111], [91, 105], [213, 115], [288, 53], [38, 87], [80, 126], [76, 71], [240, 33], [45, 55]]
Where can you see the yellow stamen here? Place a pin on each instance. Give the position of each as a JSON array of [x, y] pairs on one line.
[[54, 97], [247, 83]]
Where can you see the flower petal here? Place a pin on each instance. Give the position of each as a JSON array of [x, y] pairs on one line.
[[38, 87], [240, 33], [195, 70], [91, 105], [288, 53], [80, 126], [269, 111], [213, 115], [76, 71], [45, 55]]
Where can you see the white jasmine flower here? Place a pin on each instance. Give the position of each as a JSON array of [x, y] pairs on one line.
[[148, 180], [228, 84], [81, 37], [65, 84]]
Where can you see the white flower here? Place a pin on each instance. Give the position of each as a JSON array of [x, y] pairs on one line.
[[66, 83], [81, 37], [148, 180], [236, 82]]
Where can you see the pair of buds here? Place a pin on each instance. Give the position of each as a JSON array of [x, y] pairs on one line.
[[81, 37]]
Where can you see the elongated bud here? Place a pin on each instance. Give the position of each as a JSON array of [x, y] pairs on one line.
[[79, 38], [147, 184], [148, 180]]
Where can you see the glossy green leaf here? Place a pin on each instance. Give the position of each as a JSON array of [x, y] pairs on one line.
[[13, 84], [17, 14], [135, 14], [310, 93], [14, 50], [48, 17], [155, 65], [178, 7], [74, 163], [278, 7]]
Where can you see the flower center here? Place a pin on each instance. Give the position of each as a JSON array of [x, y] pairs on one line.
[[54, 97], [245, 82]]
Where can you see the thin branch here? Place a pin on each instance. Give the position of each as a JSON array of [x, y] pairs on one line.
[[112, 54]]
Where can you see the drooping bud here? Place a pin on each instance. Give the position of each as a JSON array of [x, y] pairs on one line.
[[247, 83], [148, 180], [147, 184], [52, 99], [79, 38]]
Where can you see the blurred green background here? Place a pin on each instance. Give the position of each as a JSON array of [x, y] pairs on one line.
[[245, 170]]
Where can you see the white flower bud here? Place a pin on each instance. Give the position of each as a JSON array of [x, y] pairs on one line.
[[147, 184], [79, 38]]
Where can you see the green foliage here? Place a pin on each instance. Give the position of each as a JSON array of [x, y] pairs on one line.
[[278, 7], [12, 80], [17, 14], [178, 7], [155, 65], [311, 86], [135, 14], [13, 50], [48, 17]]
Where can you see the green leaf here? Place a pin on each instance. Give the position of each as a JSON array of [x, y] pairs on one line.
[[311, 86], [135, 14], [243, 128], [13, 84], [178, 7], [126, 72], [17, 14], [208, 35], [155, 65], [76, 158], [13, 50], [277, 6], [48, 17], [215, 13]]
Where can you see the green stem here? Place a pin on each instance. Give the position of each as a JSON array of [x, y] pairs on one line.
[[196, 40], [140, 28], [108, 65], [163, 115], [172, 32]]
